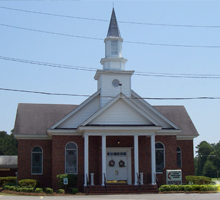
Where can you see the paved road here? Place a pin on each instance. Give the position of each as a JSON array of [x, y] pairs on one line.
[[215, 196]]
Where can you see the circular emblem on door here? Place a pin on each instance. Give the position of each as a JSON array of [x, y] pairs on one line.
[[111, 163], [121, 163]]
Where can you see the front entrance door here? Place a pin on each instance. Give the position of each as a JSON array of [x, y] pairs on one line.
[[118, 165]]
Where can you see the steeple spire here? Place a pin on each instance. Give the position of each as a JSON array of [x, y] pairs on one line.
[[113, 30]]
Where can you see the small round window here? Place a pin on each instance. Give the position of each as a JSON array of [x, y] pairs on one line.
[[115, 83]]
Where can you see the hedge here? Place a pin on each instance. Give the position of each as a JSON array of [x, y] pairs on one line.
[[189, 188], [75, 191], [198, 180], [39, 190], [48, 190], [5, 180], [28, 182], [61, 191]]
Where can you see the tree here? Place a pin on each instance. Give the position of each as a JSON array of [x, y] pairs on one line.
[[8, 144], [204, 149], [209, 169]]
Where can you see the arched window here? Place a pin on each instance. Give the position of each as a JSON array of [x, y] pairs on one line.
[[37, 160], [71, 158], [159, 151], [179, 157]]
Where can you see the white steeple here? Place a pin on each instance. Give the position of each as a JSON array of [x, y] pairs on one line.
[[113, 47], [113, 78]]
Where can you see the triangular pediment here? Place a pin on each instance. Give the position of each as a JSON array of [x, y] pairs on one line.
[[121, 113]]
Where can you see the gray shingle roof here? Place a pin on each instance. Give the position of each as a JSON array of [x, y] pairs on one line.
[[113, 30], [35, 119]]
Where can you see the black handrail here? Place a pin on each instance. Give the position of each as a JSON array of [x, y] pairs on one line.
[[139, 181], [105, 183], [157, 181], [87, 183]]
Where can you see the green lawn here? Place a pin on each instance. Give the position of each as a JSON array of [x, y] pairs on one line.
[[5, 194], [215, 179]]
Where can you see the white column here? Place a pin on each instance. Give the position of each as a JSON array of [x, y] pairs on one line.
[[153, 160], [86, 158], [136, 160], [142, 178], [103, 158], [92, 178]]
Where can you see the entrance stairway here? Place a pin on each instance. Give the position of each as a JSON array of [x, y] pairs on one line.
[[120, 189]]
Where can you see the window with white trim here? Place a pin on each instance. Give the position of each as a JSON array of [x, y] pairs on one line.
[[37, 160], [179, 157], [71, 158], [159, 152]]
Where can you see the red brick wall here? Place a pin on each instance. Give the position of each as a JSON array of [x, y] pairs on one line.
[[186, 147], [58, 158], [8, 172], [24, 161]]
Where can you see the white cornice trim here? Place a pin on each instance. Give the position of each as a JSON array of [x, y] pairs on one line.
[[162, 132], [185, 137], [32, 137], [117, 128], [75, 110], [98, 72], [155, 110]]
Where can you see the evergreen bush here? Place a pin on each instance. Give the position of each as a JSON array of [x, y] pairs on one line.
[[38, 190], [48, 190], [75, 191], [198, 180], [6, 180], [61, 191], [28, 182]]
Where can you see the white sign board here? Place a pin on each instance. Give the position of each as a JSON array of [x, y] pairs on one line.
[[174, 176], [65, 181]]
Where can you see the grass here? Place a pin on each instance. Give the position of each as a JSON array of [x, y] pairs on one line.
[[215, 179], [5, 194]]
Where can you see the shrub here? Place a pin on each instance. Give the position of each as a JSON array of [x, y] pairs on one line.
[[164, 188], [198, 180], [61, 191], [28, 182], [203, 188], [6, 187], [196, 187], [38, 190], [49, 190], [18, 189], [181, 187], [72, 179], [174, 188], [75, 191], [5, 180], [188, 188], [10, 187], [25, 189]]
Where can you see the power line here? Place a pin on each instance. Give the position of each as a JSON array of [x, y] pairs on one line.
[[164, 75], [84, 95], [103, 20], [93, 38]]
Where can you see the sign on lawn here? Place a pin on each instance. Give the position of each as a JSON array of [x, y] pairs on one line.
[[65, 181], [174, 176]]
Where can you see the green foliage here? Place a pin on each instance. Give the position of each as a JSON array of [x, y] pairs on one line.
[[18, 189], [203, 188], [61, 191], [48, 190], [8, 144], [207, 163], [188, 188], [28, 182], [196, 187], [7, 180], [174, 187], [72, 179], [209, 169], [198, 180], [164, 188], [75, 191], [39, 190]]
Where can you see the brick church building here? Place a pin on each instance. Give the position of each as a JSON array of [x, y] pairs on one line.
[[113, 136]]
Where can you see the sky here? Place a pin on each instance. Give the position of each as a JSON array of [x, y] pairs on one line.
[[157, 40]]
